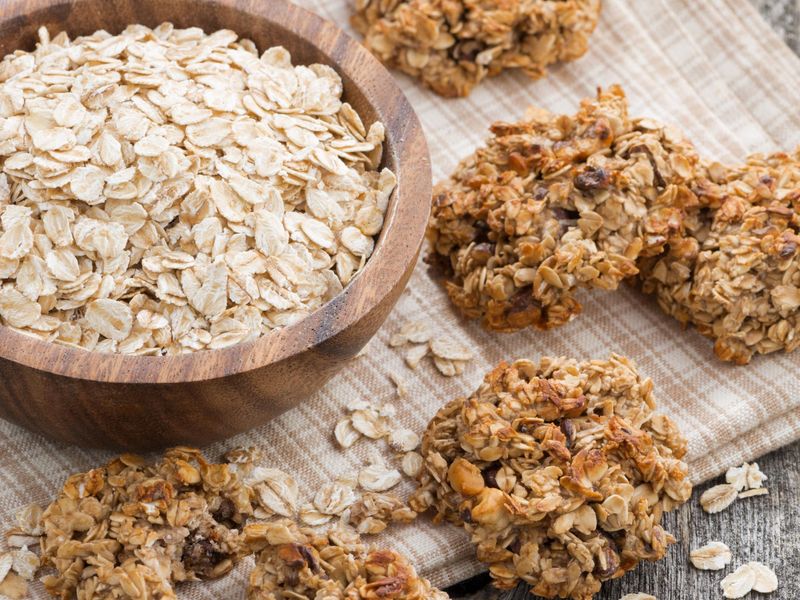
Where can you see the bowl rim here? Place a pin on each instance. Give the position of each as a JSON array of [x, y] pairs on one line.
[[405, 143]]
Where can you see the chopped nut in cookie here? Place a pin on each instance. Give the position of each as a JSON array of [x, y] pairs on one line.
[[557, 472]]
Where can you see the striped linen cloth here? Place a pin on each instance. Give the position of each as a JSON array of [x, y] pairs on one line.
[[714, 69]]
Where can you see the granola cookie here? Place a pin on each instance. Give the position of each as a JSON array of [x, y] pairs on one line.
[[555, 203], [451, 45], [295, 562], [131, 529], [560, 471], [736, 278]]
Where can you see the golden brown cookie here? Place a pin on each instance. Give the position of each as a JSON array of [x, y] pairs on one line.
[[451, 45], [294, 562], [555, 203], [560, 472], [736, 278], [134, 529]]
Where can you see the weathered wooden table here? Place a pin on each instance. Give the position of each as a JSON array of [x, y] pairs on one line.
[[764, 528]]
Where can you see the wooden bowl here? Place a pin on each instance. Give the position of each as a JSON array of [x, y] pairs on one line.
[[138, 402]]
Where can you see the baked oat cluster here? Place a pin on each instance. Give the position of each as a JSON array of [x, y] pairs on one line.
[[132, 529], [560, 472], [164, 191], [737, 277], [293, 562], [556, 203], [452, 45]]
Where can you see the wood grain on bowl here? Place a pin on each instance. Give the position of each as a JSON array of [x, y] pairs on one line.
[[139, 402]]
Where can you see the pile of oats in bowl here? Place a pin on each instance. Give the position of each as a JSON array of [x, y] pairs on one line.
[[165, 191], [452, 45], [559, 470]]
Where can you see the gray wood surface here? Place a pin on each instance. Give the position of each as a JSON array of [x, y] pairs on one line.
[[764, 528]]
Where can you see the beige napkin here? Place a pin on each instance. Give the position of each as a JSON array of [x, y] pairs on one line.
[[713, 68]]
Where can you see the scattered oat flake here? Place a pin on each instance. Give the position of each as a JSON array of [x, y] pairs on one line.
[[26, 563], [412, 464], [370, 423], [445, 366], [711, 557], [638, 596], [400, 384], [334, 498], [746, 477], [311, 516], [766, 580], [378, 478], [415, 354], [718, 498], [739, 583], [346, 435], [278, 492], [754, 492], [403, 440], [444, 348]]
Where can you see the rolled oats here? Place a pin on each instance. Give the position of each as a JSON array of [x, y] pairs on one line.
[[414, 355], [718, 498], [26, 563], [556, 203], [312, 517], [766, 581], [412, 464], [737, 277], [403, 440], [132, 525], [746, 477], [560, 471], [753, 492], [298, 563], [451, 45], [346, 435], [334, 498], [449, 357], [373, 512], [377, 477], [711, 557], [739, 583], [177, 192]]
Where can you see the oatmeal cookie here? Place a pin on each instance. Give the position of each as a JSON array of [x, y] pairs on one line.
[[132, 529], [560, 471], [451, 45], [555, 203], [295, 562], [736, 278]]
